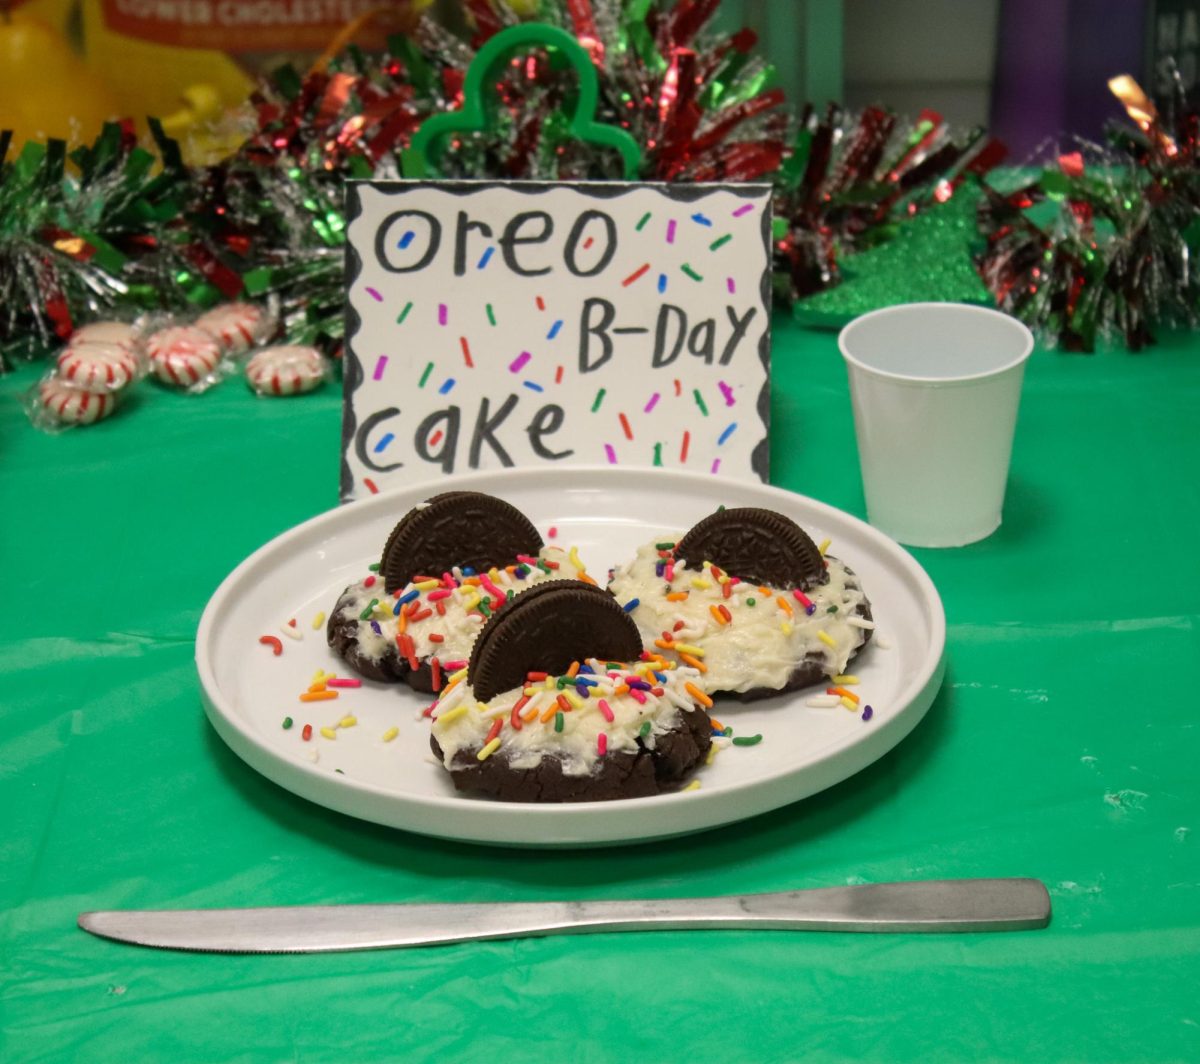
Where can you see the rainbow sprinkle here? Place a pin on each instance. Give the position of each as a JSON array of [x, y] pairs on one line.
[[804, 601], [488, 749]]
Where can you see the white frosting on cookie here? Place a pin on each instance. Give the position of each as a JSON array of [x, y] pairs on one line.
[[461, 722], [767, 634], [458, 620]]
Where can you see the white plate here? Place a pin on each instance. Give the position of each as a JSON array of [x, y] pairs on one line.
[[607, 513]]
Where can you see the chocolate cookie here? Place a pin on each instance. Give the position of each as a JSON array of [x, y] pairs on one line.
[[546, 629], [752, 639], [757, 545], [424, 631], [343, 633], [813, 668], [447, 566], [552, 710], [637, 773], [463, 528]]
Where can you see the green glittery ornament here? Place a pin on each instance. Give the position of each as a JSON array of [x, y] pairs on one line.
[[928, 260]]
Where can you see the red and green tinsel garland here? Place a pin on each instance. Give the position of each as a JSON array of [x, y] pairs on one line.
[[848, 182], [135, 230], [1097, 245], [1105, 242]]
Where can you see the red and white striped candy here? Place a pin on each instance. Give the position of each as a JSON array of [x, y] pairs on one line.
[[97, 365], [106, 332], [287, 369], [74, 406], [183, 354], [239, 326]]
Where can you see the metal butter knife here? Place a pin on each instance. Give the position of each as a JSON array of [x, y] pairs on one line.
[[933, 905]]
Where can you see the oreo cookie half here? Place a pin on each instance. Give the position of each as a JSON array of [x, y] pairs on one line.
[[466, 528], [754, 544], [546, 628]]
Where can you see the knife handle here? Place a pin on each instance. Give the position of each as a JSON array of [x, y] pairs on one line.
[[948, 905]]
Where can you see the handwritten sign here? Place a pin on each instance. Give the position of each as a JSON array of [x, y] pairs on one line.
[[493, 324]]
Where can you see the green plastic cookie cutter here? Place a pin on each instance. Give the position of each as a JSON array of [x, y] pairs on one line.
[[420, 158]]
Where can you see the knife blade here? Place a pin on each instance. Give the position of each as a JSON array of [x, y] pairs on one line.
[[947, 905]]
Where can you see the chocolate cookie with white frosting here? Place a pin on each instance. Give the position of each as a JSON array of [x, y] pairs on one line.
[[448, 565], [559, 703], [750, 600]]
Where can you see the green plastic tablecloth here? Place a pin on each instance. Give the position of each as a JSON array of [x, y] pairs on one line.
[[1064, 745]]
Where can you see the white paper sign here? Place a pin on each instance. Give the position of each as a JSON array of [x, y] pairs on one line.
[[494, 324]]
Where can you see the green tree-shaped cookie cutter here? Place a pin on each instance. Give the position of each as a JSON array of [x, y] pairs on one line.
[[421, 157]]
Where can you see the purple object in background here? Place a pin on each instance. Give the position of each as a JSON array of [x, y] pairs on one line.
[[1053, 62]]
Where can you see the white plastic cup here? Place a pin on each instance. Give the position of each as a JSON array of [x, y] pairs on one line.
[[935, 389]]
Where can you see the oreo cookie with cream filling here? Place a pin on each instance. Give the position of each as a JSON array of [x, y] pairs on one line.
[[552, 626], [464, 528], [757, 545]]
